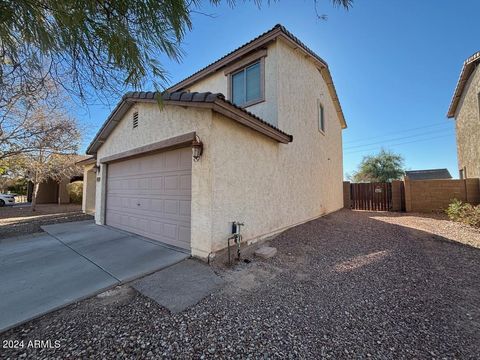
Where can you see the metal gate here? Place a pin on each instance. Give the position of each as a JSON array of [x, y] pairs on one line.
[[371, 196]]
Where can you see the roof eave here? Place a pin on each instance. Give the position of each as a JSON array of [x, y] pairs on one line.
[[261, 41], [85, 162], [467, 69], [220, 106], [221, 63]]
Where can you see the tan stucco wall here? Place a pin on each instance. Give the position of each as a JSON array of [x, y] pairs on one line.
[[157, 124], [47, 192], [271, 186], [300, 86], [267, 110], [89, 189], [244, 175], [53, 192], [468, 127]]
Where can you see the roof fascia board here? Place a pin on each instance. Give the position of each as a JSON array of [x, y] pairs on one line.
[[218, 106], [118, 113], [162, 145], [235, 56], [327, 77], [237, 115], [468, 68], [250, 122]]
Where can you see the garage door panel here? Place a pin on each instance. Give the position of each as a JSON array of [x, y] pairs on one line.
[[156, 183], [151, 196], [169, 231], [184, 208], [172, 160], [185, 183], [150, 215], [171, 182], [163, 203], [171, 207], [184, 233]]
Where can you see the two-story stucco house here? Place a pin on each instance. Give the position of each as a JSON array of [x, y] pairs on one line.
[[465, 108], [268, 124]]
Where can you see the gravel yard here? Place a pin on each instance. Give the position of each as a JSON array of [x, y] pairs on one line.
[[348, 285], [20, 220]]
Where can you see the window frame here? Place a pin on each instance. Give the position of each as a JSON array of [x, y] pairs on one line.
[[243, 68], [321, 123]]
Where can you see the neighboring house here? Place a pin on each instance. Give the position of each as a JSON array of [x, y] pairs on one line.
[[52, 191], [89, 184], [272, 150], [465, 108], [432, 174]]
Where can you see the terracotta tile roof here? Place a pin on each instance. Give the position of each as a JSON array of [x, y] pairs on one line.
[[276, 28], [468, 67], [217, 103], [431, 174], [207, 97], [253, 45]]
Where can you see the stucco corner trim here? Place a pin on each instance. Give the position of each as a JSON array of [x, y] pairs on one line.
[[163, 145]]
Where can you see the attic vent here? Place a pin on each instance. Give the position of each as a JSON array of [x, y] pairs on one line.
[[135, 119]]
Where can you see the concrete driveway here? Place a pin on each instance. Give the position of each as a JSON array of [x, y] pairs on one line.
[[69, 262]]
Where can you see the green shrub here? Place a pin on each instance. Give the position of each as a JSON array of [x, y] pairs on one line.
[[455, 210], [18, 186], [75, 191], [463, 212]]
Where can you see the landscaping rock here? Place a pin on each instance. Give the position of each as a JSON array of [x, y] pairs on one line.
[[349, 285]]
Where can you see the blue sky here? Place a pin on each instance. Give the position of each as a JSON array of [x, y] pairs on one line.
[[394, 63]]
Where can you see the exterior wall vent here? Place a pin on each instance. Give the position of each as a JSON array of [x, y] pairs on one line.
[[135, 119]]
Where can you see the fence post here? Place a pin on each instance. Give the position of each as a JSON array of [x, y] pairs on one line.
[[346, 195], [472, 190], [396, 195]]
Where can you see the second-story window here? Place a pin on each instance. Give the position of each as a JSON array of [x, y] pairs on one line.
[[247, 85], [321, 118]]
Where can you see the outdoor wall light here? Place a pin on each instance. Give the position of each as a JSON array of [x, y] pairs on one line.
[[197, 148]]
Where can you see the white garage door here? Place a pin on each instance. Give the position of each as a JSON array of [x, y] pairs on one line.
[[151, 196]]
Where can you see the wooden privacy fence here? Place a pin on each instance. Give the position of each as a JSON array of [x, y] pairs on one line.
[[371, 196], [410, 195]]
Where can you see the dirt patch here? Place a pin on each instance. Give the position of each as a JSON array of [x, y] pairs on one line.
[[20, 220]]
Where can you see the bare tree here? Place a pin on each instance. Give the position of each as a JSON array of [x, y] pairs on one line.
[[47, 165], [50, 150], [23, 112]]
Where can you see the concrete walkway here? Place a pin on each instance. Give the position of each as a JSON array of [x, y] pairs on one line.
[[181, 285], [71, 261]]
